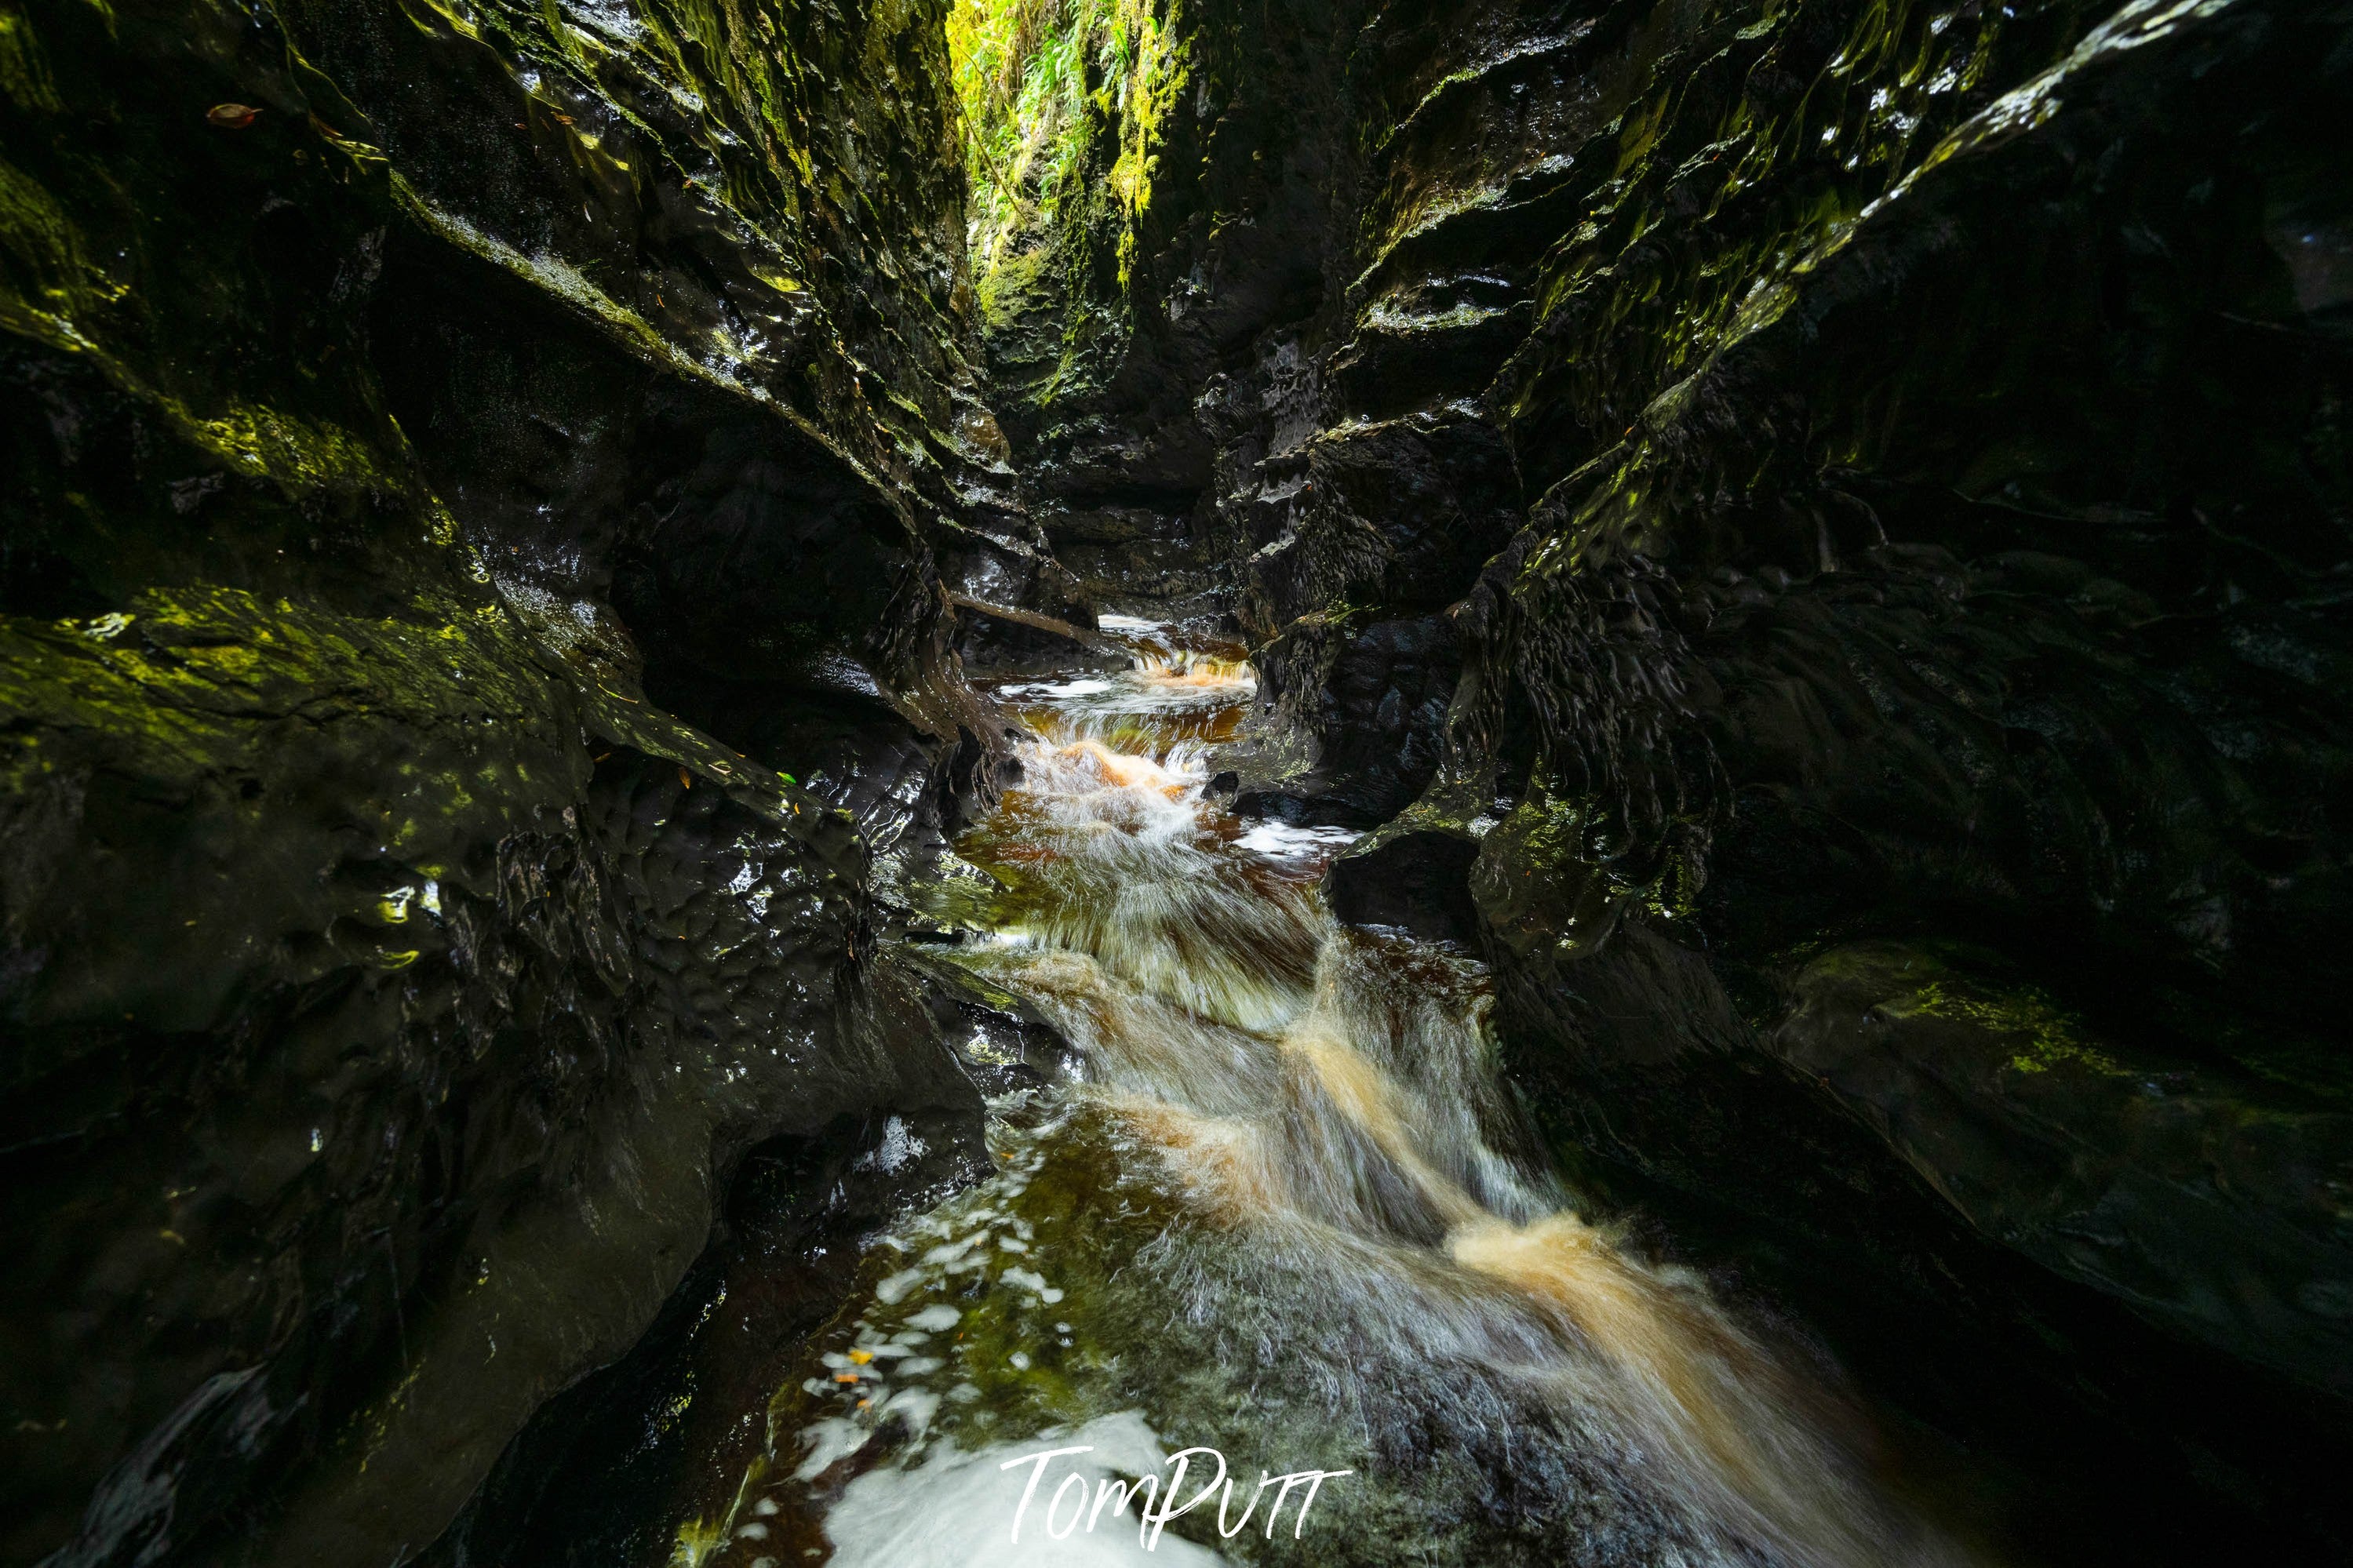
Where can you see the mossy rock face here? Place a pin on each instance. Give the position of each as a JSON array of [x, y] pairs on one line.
[[395, 401], [1864, 474], [2112, 1263], [1890, 467], [2206, 1200], [1897, 616]]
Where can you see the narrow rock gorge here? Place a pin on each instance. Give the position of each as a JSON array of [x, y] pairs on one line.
[[1590, 759]]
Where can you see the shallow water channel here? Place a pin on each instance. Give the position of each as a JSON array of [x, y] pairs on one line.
[[1281, 1215]]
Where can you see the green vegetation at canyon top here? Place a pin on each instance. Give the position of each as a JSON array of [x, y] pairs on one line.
[[1037, 80]]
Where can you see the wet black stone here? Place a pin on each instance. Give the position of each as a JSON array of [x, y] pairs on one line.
[[1417, 882], [1825, 517], [1809, 504]]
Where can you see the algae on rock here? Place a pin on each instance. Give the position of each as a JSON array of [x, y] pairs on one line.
[[393, 984]]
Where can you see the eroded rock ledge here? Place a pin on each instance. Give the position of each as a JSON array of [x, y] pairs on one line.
[[476, 661]]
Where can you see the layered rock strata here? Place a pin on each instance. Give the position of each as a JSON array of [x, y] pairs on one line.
[[1814, 536], [485, 484]]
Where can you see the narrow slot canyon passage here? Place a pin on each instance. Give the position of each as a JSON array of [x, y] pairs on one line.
[[1383, 783]]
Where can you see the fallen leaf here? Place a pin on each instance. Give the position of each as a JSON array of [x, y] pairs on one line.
[[685, 779], [231, 116], [861, 1357]]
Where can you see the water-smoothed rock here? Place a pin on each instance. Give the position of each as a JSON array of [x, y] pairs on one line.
[[1917, 514], [2209, 1200], [1967, 650], [408, 411], [1750, 500], [608, 1466], [1908, 612]]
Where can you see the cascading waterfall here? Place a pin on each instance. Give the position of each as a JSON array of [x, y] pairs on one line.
[[1284, 1213]]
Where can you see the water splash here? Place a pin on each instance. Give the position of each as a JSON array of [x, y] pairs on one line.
[[1291, 1205]]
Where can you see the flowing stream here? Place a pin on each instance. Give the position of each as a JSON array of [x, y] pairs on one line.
[[1283, 1211]]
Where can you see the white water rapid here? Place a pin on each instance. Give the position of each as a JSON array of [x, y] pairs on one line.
[[1286, 1213]]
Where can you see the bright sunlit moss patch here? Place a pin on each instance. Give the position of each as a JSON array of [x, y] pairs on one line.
[[1040, 81], [2048, 1036]]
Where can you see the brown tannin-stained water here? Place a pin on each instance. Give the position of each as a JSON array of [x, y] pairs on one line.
[[1281, 1217]]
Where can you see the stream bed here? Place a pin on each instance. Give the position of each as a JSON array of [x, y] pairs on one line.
[[1274, 1274]]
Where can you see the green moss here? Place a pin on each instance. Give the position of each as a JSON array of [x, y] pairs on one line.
[[1007, 284], [1031, 120], [1565, 836], [188, 675], [2047, 1035], [24, 73], [1753, 190], [53, 292], [49, 280]]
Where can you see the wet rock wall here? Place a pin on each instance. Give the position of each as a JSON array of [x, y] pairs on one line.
[[1813, 535], [475, 658]]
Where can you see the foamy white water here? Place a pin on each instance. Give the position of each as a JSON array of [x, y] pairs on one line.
[[1290, 1214]]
